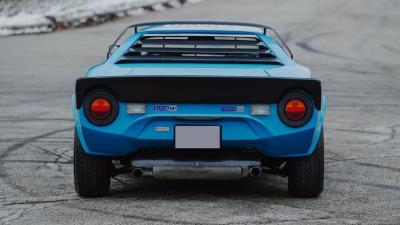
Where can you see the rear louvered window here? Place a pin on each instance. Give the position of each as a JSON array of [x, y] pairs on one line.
[[199, 49]]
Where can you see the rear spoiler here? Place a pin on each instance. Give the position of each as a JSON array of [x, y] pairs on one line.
[[198, 89]]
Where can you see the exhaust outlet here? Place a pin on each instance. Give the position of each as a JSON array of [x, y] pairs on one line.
[[255, 171], [137, 172]]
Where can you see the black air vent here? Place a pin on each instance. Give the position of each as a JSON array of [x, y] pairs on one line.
[[199, 49]]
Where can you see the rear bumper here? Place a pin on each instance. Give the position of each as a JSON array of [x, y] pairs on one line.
[[267, 134]]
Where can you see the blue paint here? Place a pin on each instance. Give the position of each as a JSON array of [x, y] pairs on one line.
[[130, 132]]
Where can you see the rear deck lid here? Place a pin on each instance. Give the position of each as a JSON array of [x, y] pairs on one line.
[[206, 71]]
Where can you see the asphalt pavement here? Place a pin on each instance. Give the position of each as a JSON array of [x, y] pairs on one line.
[[352, 46]]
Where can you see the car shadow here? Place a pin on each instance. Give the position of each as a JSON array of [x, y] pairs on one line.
[[267, 186]]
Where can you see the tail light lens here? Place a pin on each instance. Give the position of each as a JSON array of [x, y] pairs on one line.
[[295, 109], [260, 110], [100, 107], [136, 108]]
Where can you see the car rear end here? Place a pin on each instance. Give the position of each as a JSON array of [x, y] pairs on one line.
[[202, 126]]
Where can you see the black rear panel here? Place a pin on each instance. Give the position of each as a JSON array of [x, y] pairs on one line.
[[199, 49], [198, 89]]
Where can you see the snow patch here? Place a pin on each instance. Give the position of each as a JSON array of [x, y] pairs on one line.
[[38, 16]]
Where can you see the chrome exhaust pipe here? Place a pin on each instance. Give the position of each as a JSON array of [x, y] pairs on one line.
[[255, 171], [137, 172]]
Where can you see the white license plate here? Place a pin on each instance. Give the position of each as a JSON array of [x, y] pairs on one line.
[[198, 137]]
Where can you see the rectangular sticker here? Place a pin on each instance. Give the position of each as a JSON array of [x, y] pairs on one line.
[[165, 108], [232, 108]]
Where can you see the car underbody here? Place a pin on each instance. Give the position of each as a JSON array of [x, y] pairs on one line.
[[221, 164]]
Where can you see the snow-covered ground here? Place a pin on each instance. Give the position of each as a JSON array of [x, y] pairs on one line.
[[37, 16]]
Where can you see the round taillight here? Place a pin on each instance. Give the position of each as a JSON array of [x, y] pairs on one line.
[[100, 108], [295, 109]]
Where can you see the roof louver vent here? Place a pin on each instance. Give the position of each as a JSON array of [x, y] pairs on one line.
[[199, 49]]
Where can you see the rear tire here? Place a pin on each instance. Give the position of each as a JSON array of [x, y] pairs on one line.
[[306, 175], [91, 174]]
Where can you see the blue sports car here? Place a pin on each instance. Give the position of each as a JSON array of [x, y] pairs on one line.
[[198, 100]]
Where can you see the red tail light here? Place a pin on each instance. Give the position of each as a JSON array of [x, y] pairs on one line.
[[295, 109], [100, 108]]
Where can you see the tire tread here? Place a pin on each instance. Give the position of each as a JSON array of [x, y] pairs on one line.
[[91, 174], [306, 175]]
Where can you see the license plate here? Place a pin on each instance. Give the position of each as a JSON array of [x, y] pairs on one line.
[[198, 137]]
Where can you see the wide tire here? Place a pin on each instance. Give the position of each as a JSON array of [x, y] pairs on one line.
[[306, 175], [91, 174]]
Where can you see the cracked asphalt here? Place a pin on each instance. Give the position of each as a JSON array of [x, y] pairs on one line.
[[352, 46]]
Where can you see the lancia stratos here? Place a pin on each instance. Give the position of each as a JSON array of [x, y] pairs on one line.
[[198, 100]]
